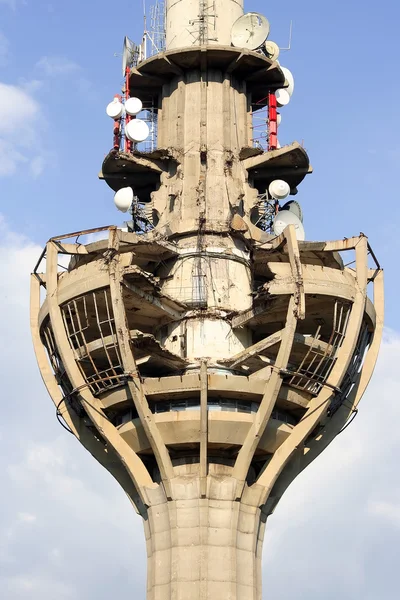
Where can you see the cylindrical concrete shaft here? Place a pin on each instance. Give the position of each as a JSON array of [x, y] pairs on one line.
[[213, 273], [204, 550], [205, 117], [196, 22]]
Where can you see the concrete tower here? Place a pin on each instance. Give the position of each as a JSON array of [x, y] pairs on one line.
[[206, 362]]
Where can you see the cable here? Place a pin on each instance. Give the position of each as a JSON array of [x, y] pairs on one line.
[[59, 417], [355, 413]]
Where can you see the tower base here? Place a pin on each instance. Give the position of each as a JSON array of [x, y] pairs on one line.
[[204, 548]]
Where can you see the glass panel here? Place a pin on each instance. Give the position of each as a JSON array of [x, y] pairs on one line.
[[244, 407], [214, 405], [179, 406], [193, 404], [229, 405]]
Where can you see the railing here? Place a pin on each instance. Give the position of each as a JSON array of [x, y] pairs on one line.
[[214, 405]]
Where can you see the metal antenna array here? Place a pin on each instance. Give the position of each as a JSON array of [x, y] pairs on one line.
[[154, 37], [207, 16], [203, 22]]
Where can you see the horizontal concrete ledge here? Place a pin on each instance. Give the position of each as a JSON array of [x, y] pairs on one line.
[[260, 73]]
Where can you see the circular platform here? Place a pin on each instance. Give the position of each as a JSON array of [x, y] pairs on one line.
[[259, 72]]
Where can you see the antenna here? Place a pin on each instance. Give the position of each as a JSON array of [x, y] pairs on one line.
[[154, 37], [290, 37], [282, 97], [294, 207], [137, 131], [123, 199], [290, 79], [129, 55], [133, 106], [250, 31], [272, 50], [285, 218], [279, 189], [115, 109]]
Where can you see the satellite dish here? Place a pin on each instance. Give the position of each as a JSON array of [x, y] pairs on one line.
[[123, 199], [279, 189], [282, 97], [137, 131], [272, 50], [250, 31], [278, 118], [133, 106], [294, 207], [115, 109], [128, 54], [290, 79], [285, 218]]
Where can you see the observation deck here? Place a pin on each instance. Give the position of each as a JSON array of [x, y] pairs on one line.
[[316, 295]]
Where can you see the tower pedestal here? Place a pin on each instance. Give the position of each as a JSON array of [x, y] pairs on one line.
[[204, 547]]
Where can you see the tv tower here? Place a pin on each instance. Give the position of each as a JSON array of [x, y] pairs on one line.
[[206, 353]]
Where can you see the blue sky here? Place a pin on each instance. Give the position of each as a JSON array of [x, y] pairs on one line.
[[57, 74]]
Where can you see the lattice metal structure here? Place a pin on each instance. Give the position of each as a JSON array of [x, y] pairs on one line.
[[206, 362], [156, 33]]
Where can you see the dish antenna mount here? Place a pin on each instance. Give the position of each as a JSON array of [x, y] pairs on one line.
[[129, 55], [250, 31], [285, 218]]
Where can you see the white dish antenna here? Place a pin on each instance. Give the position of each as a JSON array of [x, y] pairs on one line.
[[123, 199], [290, 79], [279, 189], [295, 208], [128, 54], [115, 109], [250, 31], [137, 131], [133, 106], [272, 50], [285, 218], [282, 97]]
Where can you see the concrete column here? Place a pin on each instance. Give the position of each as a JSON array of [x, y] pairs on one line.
[[204, 549], [197, 22], [205, 120], [213, 273]]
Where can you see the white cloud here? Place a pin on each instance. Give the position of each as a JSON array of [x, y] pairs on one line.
[[53, 66], [30, 85], [26, 517], [17, 108], [37, 586], [37, 166], [60, 66], [10, 158], [20, 125], [389, 511]]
